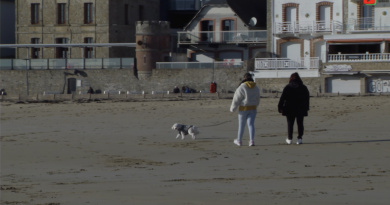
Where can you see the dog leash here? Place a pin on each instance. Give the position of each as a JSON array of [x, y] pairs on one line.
[[218, 123]]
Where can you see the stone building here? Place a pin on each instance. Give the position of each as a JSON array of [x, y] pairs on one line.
[[80, 21], [7, 27]]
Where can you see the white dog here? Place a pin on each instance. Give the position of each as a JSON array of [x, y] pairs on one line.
[[185, 130]]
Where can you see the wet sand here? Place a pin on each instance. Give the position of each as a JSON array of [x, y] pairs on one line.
[[125, 153]]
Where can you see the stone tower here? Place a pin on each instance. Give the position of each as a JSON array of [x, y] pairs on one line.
[[153, 40]]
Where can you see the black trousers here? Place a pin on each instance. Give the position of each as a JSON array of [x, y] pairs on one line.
[[290, 125]]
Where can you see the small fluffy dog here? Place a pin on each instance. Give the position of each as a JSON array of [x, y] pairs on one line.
[[185, 130]]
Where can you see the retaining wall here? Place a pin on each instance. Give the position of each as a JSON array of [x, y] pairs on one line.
[[17, 82]]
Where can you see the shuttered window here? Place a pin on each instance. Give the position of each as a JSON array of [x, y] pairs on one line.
[[126, 14], [88, 52], [88, 11], [35, 51], [61, 13], [34, 13], [62, 52]]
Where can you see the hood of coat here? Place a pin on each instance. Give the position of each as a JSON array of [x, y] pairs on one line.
[[295, 84], [250, 84]]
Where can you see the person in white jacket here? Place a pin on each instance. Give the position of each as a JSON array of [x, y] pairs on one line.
[[246, 99]]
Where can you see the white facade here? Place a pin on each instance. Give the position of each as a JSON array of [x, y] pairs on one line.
[[218, 34], [299, 27]]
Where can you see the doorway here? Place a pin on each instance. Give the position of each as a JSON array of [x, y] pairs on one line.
[[325, 18], [72, 86]]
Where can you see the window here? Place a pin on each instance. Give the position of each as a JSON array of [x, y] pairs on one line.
[[228, 25], [61, 13], [62, 52], [207, 27], [126, 14], [141, 13], [181, 5], [35, 51], [34, 13], [88, 52], [88, 13]]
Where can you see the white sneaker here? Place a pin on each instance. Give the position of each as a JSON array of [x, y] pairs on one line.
[[251, 143], [288, 141], [238, 143], [299, 141]]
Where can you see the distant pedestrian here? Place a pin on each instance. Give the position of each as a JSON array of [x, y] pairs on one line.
[[294, 104], [183, 89], [176, 90], [246, 99], [90, 91]]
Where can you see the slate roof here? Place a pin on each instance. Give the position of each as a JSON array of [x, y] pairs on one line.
[[245, 10]]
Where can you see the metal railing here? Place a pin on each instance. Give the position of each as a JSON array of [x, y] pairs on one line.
[[286, 63], [359, 57], [309, 27], [222, 37], [197, 65], [70, 63], [368, 24]]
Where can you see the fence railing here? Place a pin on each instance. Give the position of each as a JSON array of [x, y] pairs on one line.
[[309, 27], [359, 57], [286, 63], [222, 37], [197, 65], [368, 24], [71, 63]]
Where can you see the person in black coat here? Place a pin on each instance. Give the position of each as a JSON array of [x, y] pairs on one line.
[[294, 104]]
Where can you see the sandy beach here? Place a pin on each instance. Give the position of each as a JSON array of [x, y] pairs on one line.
[[108, 152]]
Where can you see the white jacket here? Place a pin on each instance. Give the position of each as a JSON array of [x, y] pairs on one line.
[[246, 97]]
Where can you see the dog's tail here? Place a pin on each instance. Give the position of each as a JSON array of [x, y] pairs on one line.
[[195, 129]]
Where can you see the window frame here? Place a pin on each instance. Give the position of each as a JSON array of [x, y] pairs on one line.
[[88, 51], [35, 13], [61, 13], [35, 51], [88, 13]]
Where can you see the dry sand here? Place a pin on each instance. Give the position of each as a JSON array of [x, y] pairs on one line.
[[125, 153]]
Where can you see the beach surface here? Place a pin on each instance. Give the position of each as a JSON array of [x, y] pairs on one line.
[[105, 152]]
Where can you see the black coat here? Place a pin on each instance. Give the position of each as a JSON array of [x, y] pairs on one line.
[[295, 100]]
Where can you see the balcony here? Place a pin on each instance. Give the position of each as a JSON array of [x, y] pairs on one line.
[[198, 65], [224, 37], [368, 24], [372, 57], [286, 63], [314, 27]]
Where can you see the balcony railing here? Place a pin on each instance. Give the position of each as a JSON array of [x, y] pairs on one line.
[[221, 37], [286, 63], [359, 57], [309, 27], [197, 65], [70, 63], [368, 24]]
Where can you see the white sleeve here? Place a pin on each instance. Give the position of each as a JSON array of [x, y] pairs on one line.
[[238, 96]]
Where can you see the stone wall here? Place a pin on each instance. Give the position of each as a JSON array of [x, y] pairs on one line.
[[15, 81], [278, 84]]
